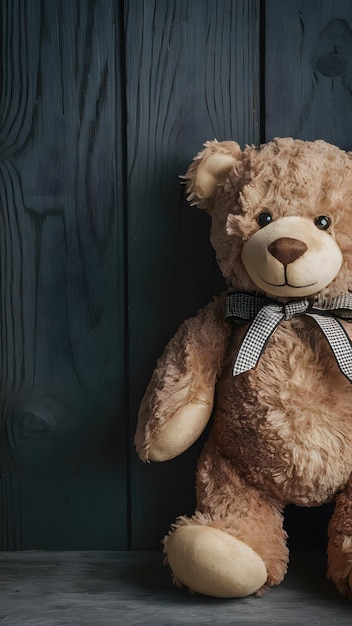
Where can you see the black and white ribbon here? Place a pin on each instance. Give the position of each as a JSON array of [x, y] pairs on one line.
[[266, 314]]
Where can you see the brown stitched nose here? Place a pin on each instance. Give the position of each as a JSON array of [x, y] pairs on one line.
[[287, 250]]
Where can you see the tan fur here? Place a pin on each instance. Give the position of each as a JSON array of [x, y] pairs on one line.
[[340, 542], [281, 432]]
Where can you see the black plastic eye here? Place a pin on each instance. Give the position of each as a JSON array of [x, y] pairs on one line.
[[264, 219], [322, 222]]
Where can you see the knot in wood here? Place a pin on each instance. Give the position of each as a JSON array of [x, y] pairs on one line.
[[333, 64]]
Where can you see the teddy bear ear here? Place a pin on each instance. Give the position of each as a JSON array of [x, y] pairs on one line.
[[209, 169]]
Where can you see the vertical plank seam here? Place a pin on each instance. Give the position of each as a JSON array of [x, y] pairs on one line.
[[123, 197], [262, 71]]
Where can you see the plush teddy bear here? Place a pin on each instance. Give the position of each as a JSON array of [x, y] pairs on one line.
[[270, 361]]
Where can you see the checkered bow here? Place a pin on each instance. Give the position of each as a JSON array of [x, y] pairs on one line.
[[266, 314]]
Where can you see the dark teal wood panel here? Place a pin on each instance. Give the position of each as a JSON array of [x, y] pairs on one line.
[[192, 69], [62, 404], [103, 104], [308, 70]]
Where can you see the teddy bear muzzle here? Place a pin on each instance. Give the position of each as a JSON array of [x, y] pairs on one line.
[[291, 257]]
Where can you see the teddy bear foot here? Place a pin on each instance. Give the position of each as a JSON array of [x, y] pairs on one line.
[[214, 563]]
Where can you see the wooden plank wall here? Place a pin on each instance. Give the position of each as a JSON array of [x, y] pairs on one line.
[[63, 414], [308, 70], [103, 104]]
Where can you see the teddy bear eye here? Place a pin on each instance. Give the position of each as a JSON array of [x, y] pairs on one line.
[[322, 222], [264, 219]]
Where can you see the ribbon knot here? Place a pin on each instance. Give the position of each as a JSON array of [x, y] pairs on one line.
[[294, 308], [266, 314]]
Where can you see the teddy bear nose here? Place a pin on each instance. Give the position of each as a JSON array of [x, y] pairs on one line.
[[287, 250]]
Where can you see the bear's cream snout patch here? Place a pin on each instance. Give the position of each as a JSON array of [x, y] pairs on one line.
[[291, 257]]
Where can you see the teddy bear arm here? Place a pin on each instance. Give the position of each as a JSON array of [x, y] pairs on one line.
[[179, 399], [340, 542]]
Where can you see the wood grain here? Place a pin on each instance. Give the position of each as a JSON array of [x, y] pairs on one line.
[[308, 70], [103, 105], [192, 70], [62, 419]]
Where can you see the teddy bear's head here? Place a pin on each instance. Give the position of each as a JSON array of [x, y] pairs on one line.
[[281, 215]]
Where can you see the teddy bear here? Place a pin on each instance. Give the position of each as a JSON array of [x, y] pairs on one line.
[[268, 363]]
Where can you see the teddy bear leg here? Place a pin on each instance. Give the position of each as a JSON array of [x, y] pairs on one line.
[[235, 544], [212, 562], [340, 543]]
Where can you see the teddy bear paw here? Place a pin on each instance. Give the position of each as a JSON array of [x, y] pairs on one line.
[[214, 563]]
